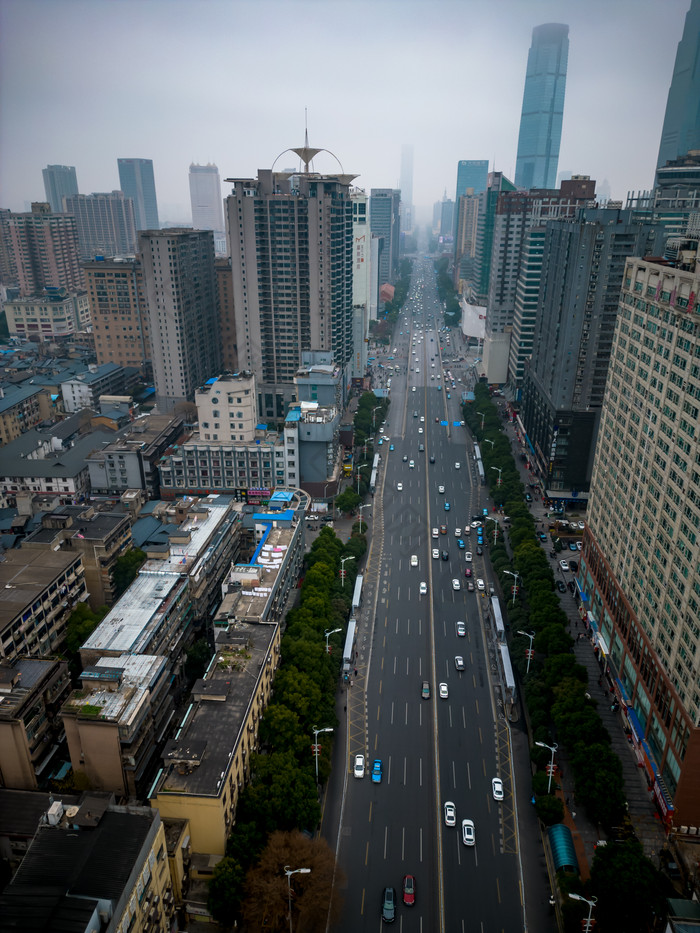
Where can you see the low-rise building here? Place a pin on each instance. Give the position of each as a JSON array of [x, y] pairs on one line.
[[57, 315], [85, 389], [22, 407]]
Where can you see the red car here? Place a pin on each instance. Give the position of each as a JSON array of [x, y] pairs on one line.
[[467, 571], [409, 890]]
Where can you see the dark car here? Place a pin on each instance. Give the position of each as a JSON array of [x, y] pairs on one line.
[[421, 448], [408, 886], [445, 555], [561, 586], [432, 459], [388, 905], [573, 566], [479, 550]]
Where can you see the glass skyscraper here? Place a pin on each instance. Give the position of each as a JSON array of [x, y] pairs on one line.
[[681, 130], [60, 182], [137, 182], [471, 173], [543, 107]]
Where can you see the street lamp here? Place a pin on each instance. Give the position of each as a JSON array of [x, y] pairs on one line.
[[483, 415], [499, 470], [367, 505], [552, 749], [328, 635], [373, 421], [316, 733], [487, 440], [342, 568], [530, 652], [490, 518], [591, 904], [289, 872], [516, 577]]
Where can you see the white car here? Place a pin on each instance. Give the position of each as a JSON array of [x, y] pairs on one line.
[[435, 532], [461, 629], [450, 812], [456, 585], [564, 564], [423, 589], [441, 489], [359, 769], [443, 691], [468, 833], [399, 486], [497, 788], [480, 585], [411, 464], [468, 557], [413, 388], [458, 532], [422, 418], [459, 662], [582, 525], [476, 524], [414, 560], [457, 465], [420, 430], [436, 553]]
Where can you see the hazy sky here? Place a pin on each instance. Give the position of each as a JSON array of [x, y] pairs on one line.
[[83, 82]]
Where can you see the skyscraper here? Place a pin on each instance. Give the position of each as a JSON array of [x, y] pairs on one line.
[[406, 186], [137, 182], [60, 181], [447, 216], [105, 223], [46, 252], [543, 107], [205, 198], [183, 311], [641, 552], [681, 129], [291, 239], [384, 210], [471, 173]]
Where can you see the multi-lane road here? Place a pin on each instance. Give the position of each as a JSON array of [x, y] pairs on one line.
[[438, 749]]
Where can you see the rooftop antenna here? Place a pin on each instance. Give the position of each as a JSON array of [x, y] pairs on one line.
[[307, 153]]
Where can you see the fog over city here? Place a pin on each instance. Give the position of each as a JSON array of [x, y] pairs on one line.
[[228, 81]]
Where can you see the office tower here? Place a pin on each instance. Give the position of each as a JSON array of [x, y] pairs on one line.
[[105, 223], [205, 198], [471, 173], [361, 282], [291, 240], [681, 129], [119, 312], [45, 247], [543, 107], [137, 182], [639, 575], [60, 181], [465, 238], [476, 273], [563, 390], [384, 207], [183, 311], [516, 213], [406, 186], [447, 213]]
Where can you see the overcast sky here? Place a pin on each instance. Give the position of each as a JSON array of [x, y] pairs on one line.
[[84, 82]]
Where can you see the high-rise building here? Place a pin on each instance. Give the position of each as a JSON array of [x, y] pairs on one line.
[[137, 182], [681, 129], [640, 578], [406, 186], [471, 173], [205, 198], [564, 386], [527, 292], [543, 107], [46, 252], [384, 211], [227, 314], [447, 215], [8, 266], [476, 273], [361, 282], [60, 181], [119, 312], [465, 239], [183, 311], [105, 223], [291, 240]]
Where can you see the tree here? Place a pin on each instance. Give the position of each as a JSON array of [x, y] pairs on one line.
[[81, 624], [198, 657], [549, 809], [226, 891], [281, 795], [125, 569], [314, 896], [628, 887], [347, 500]]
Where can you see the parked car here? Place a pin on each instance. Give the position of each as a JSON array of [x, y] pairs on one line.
[[377, 771]]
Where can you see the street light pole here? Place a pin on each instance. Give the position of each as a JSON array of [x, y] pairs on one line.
[[499, 470], [289, 872], [483, 415], [316, 733], [342, 568], [367, 505], [489, 518], [591, 904], [373, 421], [487, 440], [516, 577], [328, 635], [552, 749], [530, 650]]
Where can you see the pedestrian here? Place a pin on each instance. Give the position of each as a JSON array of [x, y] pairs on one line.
[[355, 672]]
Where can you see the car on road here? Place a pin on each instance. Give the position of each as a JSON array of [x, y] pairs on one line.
[[479, 550], [457, 465], [450, 812], [399, 486], [391, 446], [458, 532], [414, 560], [456, 585], [561, 586], [381, 441], [425, 690], [468, 833], [448, 395], [476, 523], [422, 419], [411, 464], [564, 565], [470, 586], [460, 544], [436, 553], [461, 629], [459, 662], [443, 529], [497, 788], [572, 546], [573, 566], [528, 497], [441, 489], [421, 448], [467, 572], [408, 889], [435, 532], [377, 771], [423, 588], [468, 557], [447, 506], [443, 691], [413, 388], [359, 769], [582, 525], [480, 585], [405, 458], [542, 536], [445, 555], [420, 430], [432, 459], [388, 905]]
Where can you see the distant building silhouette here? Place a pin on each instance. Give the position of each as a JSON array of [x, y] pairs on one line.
[[681, 129], [406, 186], [205, 198], [137, 182], [105, 223], [60, 181]]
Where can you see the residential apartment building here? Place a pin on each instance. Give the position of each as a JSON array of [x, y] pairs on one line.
[[21, 408], [527, 292], [465, 237], [119, 312], [84, 390], [227, 315], [361, 282], [385, 224], [137, 181], [50, 317], [60, 181], [183, 309], [543, 107], [227, 408], [640, 575], [46, 250], [105, 223], [291, 240], [475, 274], [564, 386]]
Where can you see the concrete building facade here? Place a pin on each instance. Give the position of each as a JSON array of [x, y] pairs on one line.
[[56, 315], [46, 251], [105, 223], [385, 224]]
